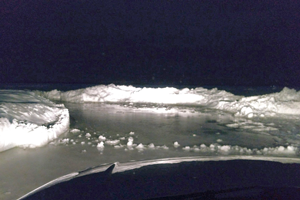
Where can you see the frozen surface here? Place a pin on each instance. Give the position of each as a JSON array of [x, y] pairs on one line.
[[29, 120], [108, 123], [202, 132]]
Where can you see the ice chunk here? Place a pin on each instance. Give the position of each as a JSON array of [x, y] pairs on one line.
[[88, 135], [140, 146], [165, 147], [130, 141], [224, 148], [75, 130], [196, 149], [176, 144], [100, 146], [151, 146], [186, 148], [102, 138], [112, 142], [64, 141], [246, 111]]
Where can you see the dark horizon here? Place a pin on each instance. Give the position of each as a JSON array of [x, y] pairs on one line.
[[228, 43]]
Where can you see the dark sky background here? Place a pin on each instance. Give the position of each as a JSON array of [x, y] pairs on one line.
[[232, 43]]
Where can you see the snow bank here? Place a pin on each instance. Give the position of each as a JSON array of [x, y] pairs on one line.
[[29, 120], [113, 93], [285, 102]]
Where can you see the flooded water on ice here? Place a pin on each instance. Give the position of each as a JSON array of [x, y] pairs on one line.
[[103, 133]]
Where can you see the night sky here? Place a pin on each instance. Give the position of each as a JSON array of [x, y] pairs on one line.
[[232, 43]]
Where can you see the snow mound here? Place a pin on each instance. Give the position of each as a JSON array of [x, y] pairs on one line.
[[130, 94], [285, 102], [29, 120]]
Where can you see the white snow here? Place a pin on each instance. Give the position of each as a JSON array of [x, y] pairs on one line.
[[151, 146], [186, 148], [285, 102], [225, 148], [75, 130], [140, 146], [88, 135], [29, 120], [100, 145], [112, 142], [130, 142], [176, 144], [102, 138], [210, 149], [238, 150]]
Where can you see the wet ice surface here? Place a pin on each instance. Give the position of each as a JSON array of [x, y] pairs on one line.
[[106, 133], [198, 130], [102, 133]]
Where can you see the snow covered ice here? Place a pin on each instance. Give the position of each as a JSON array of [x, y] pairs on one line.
[[32, 119], [29, 120], [108, 123]]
